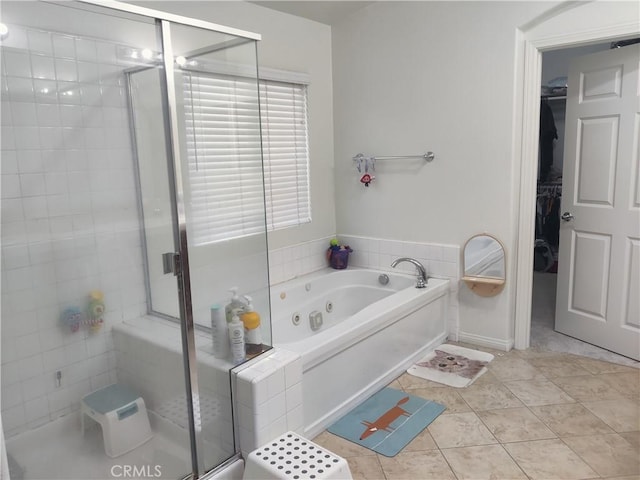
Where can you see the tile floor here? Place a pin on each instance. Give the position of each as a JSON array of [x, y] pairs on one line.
[[535, 414], [543, 335]]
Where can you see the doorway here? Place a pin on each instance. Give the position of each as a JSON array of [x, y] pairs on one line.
[[555, 29], [555, 66]]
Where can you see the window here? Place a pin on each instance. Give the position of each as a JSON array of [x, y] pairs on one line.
[[225, 165]]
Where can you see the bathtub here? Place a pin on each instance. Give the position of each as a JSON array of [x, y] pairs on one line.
[[354, 334]]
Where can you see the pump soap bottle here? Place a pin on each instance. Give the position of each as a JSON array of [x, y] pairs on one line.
[[236, 337], [234, 304], [252, 334]]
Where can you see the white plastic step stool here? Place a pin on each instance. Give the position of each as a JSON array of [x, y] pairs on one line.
[[122, 414], [291, 456]]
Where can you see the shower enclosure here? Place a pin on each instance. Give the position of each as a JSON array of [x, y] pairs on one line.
[[127, 135]]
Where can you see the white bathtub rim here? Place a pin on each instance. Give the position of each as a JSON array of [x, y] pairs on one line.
[[323, 345], [311, 348], [328, 271]]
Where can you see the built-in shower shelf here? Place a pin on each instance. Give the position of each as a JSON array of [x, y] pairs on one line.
[[175, 410]]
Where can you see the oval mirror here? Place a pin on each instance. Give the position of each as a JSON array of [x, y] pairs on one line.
[[484, 258]]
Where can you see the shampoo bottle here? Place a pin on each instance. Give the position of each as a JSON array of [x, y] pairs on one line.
[[234, 304], [219, 332], [236, 338], [252, 333]]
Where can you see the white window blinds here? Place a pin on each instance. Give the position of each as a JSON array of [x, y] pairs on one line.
[[227, 199]]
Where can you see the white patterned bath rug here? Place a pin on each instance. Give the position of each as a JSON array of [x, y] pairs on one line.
[[452, 365]]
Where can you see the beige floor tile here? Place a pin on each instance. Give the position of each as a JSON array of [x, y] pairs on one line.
[[608, 455], [571, 419], [621, 415], [395, 384], [411, 382], [549, 460], [449, 397], [416, 465], [559, 366], [515, 425], [366, 468], [460, 430], [340, 446], [537, 392], [423, 441], [633, 438], [625, 383], [489, 397], [482, 462], [513, 368], [598, 366], [534, 353], [625, 477], [486, 377], [588, 388]]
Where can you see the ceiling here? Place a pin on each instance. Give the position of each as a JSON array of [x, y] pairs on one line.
[[327, 11]]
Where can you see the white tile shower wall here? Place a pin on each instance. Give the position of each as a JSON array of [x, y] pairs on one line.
[[269, 398], [69, 220], [378, 253], [290, 262]]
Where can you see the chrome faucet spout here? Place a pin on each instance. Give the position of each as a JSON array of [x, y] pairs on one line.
[[422, 273]]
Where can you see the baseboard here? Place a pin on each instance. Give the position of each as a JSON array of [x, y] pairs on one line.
[[504, 345]]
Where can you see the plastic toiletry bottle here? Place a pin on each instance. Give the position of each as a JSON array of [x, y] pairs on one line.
[[236, 338], [219, 332], [252, 334], [234, 304]]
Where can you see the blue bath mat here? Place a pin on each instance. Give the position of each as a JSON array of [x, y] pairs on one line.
[[387, 421]]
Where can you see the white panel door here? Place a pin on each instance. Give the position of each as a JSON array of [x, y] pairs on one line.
[[598, 297]]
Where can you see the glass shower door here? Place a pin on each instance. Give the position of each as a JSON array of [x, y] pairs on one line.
[[221, 190]]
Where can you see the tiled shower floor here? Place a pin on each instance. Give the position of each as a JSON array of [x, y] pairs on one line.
[[59, 451], [535, 414]]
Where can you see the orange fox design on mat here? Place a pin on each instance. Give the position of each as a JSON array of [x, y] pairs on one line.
[[386, 419]]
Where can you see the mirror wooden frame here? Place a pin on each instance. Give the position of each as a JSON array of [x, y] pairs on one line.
[[480, 285]]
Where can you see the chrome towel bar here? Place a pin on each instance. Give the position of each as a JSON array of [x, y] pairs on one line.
[[428, 157]]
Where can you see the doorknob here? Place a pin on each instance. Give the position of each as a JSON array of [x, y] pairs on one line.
[[567, 216]]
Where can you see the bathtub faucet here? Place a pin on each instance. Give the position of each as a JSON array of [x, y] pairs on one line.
[[422, 273]]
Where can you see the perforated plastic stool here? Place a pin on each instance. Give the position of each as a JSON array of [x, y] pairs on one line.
[[291, 456], [122, 414]]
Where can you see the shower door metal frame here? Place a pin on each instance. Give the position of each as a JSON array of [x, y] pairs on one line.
[[171, 17], [169, 105]]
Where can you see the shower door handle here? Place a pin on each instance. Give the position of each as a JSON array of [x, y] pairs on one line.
[[567, 216], [171, 263]]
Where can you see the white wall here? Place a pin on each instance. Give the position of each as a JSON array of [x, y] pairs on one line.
[[440, 76], [294, 44]]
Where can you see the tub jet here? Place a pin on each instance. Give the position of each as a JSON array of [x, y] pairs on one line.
[[315, 320]]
